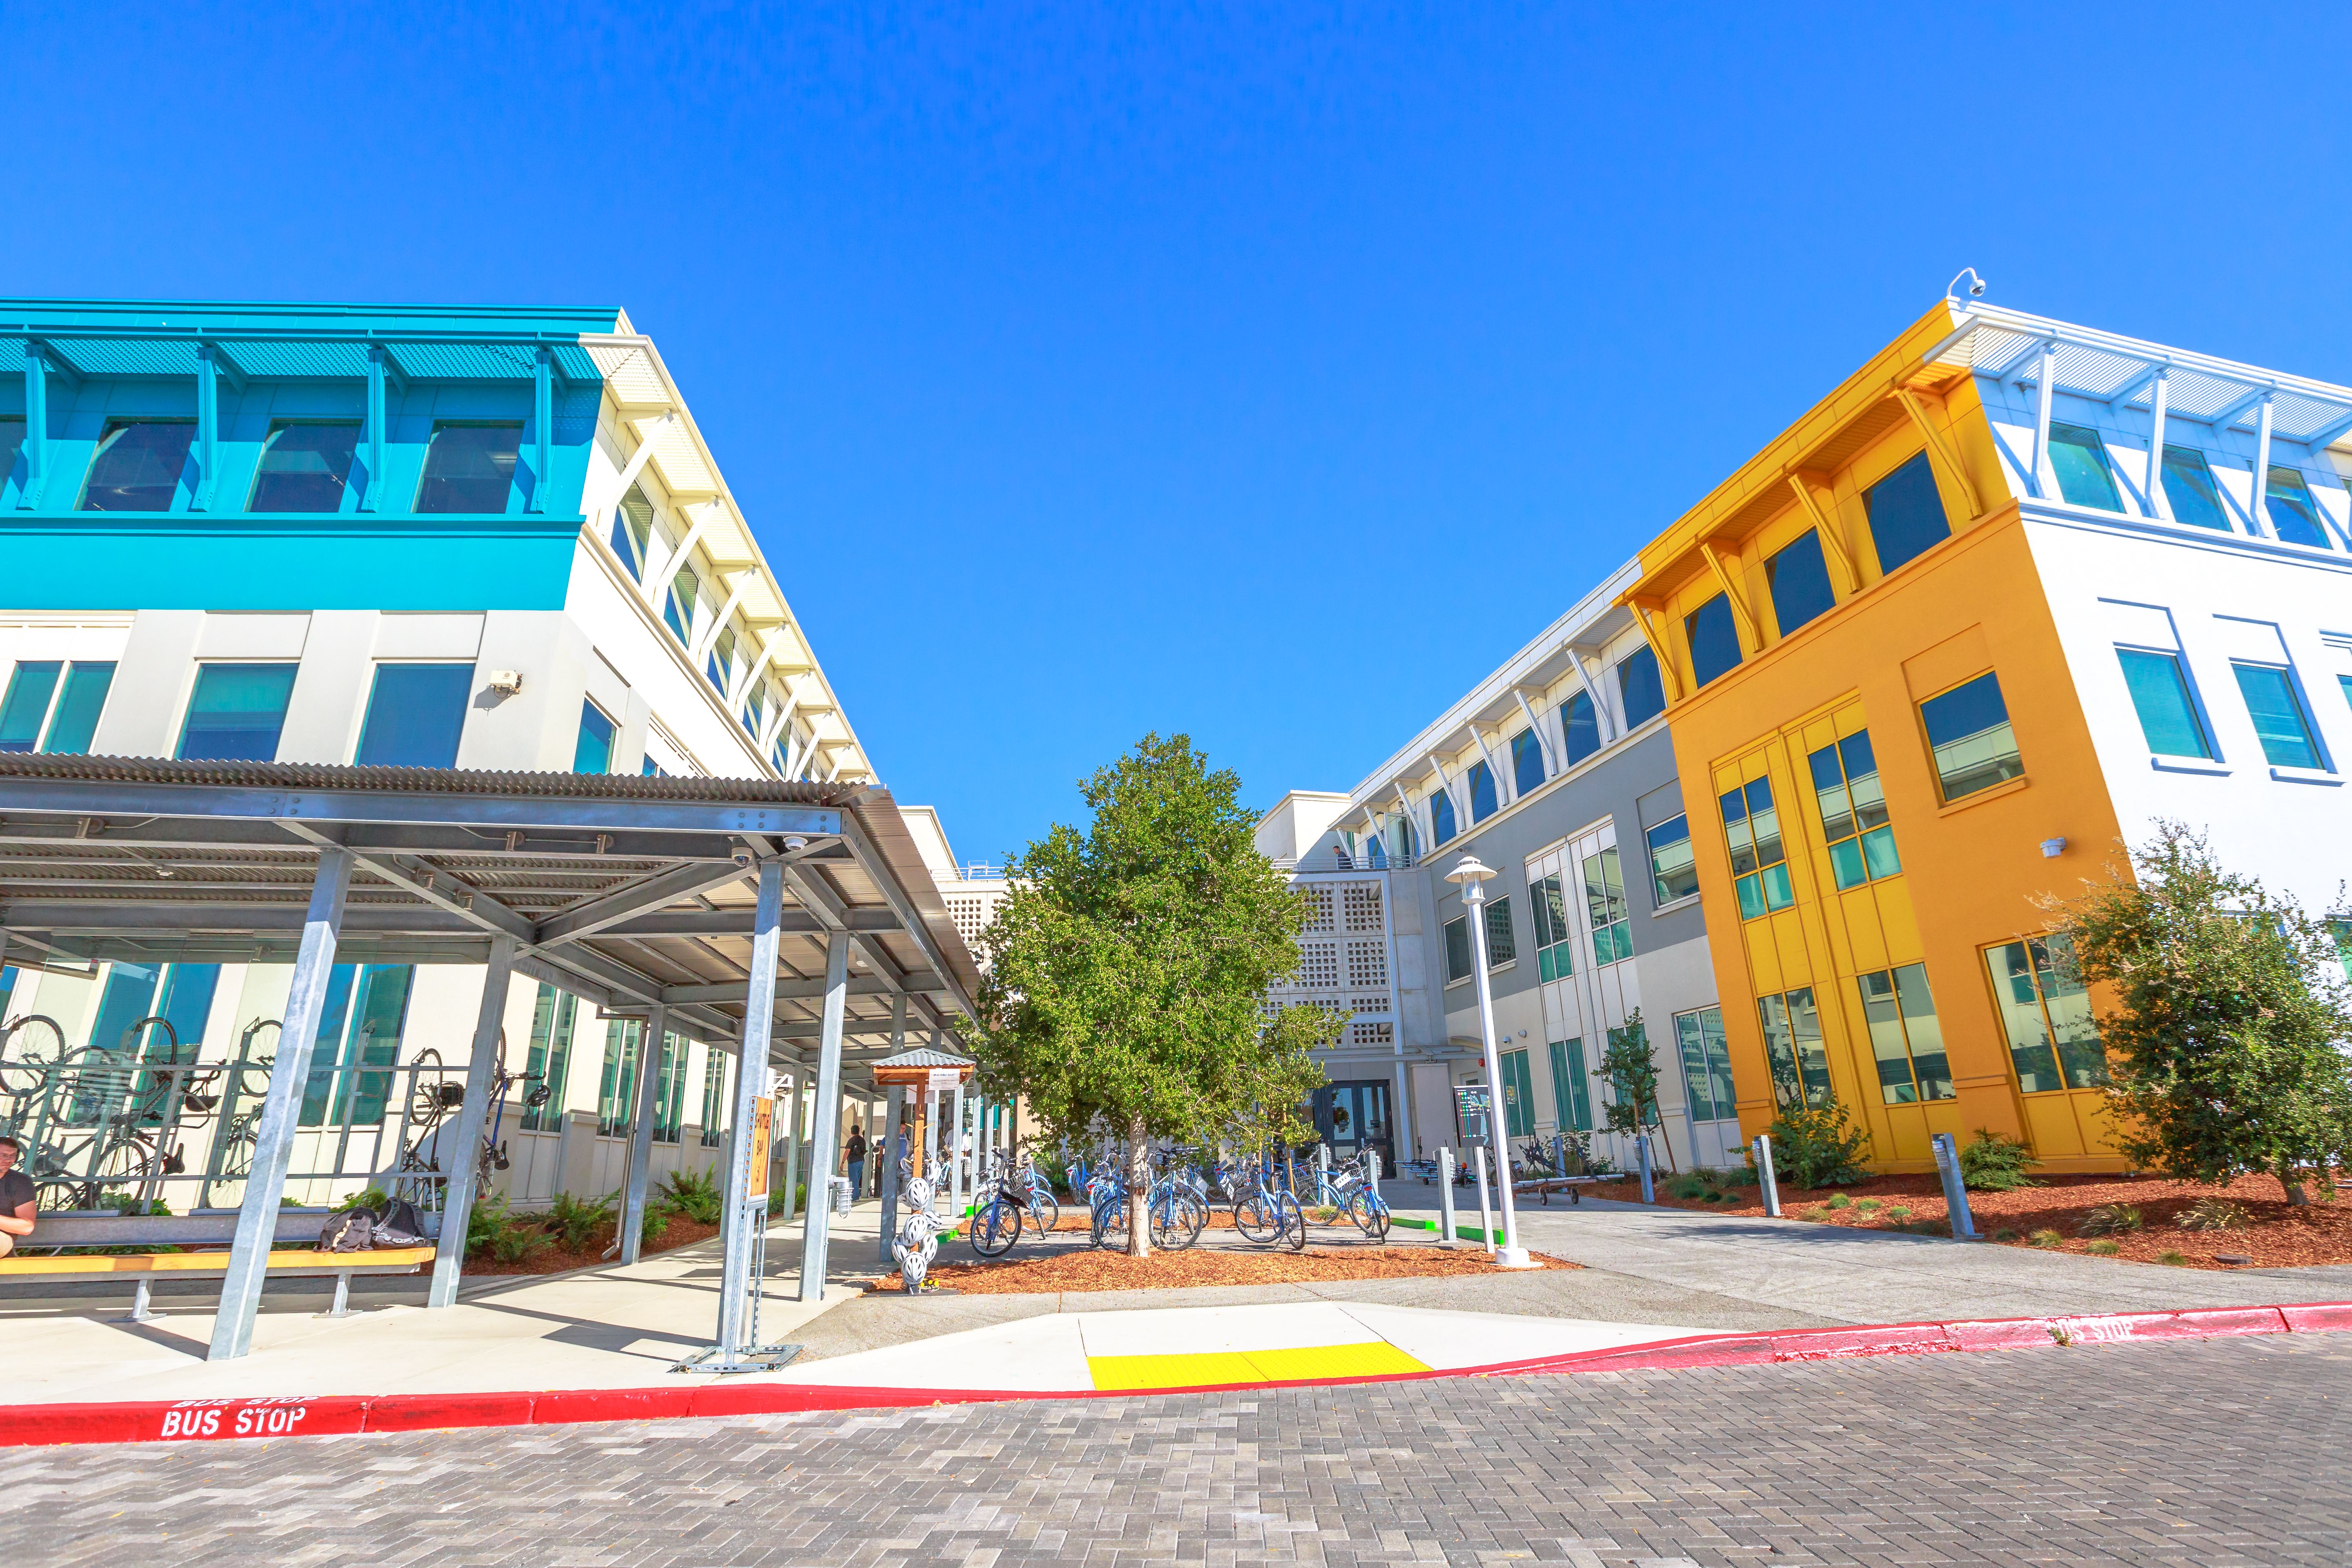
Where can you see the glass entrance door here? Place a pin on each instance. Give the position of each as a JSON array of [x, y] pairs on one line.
[[1353, 1117]]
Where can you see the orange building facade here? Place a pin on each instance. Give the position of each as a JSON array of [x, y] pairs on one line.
[[1886, 664]]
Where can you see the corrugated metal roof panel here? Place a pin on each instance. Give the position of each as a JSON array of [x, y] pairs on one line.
[[127, 356], [466, 361], [420, 781], [297, 360]]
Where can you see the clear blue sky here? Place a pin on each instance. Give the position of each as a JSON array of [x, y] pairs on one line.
[[1269, 376]]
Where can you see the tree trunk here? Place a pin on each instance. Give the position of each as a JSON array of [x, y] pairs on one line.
[[2296, 1197], [1138, 1191]]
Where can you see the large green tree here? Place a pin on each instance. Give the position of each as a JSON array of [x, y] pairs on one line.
[[1127, 968], [2226, 1053]]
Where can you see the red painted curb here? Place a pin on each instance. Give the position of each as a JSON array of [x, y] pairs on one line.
[[292, 1415]]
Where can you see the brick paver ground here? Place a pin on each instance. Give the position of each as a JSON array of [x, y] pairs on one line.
[[2208, 1453]]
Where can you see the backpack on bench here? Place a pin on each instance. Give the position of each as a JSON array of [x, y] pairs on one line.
[[353, 1230]]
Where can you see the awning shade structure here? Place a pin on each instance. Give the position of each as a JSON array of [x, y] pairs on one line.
[[795, 919], [623, 891]]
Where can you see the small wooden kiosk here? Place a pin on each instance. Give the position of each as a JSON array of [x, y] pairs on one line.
[[923, 1073]]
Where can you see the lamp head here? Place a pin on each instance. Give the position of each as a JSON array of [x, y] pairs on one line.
[[1976, 283], [1469, 874]]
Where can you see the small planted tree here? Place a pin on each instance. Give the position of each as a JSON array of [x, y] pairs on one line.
[[2225, 1049], [1630, 1071], [1127, 968]]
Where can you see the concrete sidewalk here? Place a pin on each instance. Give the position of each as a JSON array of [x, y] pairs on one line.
[[613, 1327]]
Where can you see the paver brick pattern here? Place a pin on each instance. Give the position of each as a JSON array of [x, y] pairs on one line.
[[2208, 1453]]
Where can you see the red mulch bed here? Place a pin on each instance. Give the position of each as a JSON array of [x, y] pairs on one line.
[[1085, 1269], [681, 1232], [2276, 1236]]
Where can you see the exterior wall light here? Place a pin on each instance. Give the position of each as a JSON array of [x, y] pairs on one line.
[[2052, 847]]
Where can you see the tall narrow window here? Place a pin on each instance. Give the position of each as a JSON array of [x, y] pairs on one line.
[[138, 465], [1706, 1065], [1579, 728], [1645, 695], [187, 1006], [2079, 460], [617, 1084], [755, 713], [1792, 1048], [2159, 694], [2276, 708], [415, 715], [304, 467], [1500, 947], [359, 1037], [633, 529], [1854, 812], [714, 1097], [1482, 792], [468, 467], [669, 1090], [2189, 487], [1604, 906], [593, 752], [1571, 1093], [73, 723], [1759, 869], [677, 602], [2293, 514], [1458, 965], [550, 1055], [12, 444], [1713, 639], [25, 712], [1519, 1096], [1673, 868], [1968, 732], [1906, 514], [238, 710], [721, 665], [2046, 1014], [1798, 581], [1904, 1036], [1527, 762], [1441, 815], [1547, 913]]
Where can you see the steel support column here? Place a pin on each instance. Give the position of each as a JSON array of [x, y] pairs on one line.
[[750, 1077], [641, 1133], [793, 1120], [281, 1109], [826, 1118], [458, 1193]]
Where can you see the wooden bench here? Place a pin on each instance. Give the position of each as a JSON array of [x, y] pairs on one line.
[[144, 1268]]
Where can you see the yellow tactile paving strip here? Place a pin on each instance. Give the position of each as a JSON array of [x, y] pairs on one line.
[[1208, 1369]]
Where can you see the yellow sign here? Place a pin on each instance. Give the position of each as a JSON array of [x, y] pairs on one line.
[[764, 1110]]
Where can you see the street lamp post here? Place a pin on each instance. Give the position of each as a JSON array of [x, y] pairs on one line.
[[1471, 877]]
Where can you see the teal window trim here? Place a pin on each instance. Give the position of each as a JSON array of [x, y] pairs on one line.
[[2086, 477], [2169, 717], [593, 752], [1571, 1091], [1606, 911], [2190, 491], [1759, 857], [1555, 939], [1852, 806], [2293, 511], [238, 710], [1518, 1095], [2282, 720], [1706, 1065]]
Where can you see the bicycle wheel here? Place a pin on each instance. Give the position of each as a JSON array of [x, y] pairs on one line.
[[1370, 1212], [1109, 1224], [1291, 1221], [1177, 1219], [1045, 1215], [29, 1047], [996, 1227], [1257, 1218]]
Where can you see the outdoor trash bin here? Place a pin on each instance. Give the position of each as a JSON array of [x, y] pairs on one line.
[[840, 1185]]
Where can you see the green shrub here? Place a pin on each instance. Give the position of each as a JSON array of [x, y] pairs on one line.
[[697, 1198], [128, 1203], [2005, 1232], [1898, 1213], [509, 1238], [1838, 1201], [1689, 1187], [1868, 1204], [2047, 1238], [2103, 1248], [1819, 1146], [2110, 1220], [573, 1220], [2178, 1259], [2214, 1213], [373, 1198], [656, 1222], [1992, 1164]]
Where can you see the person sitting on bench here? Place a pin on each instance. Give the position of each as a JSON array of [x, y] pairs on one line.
[[16, 1197]]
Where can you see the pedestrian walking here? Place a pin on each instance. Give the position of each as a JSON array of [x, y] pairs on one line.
[[854, 1158]]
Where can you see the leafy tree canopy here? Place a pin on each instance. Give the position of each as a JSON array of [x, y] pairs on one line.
[[1126, 969], [2226, 1050]]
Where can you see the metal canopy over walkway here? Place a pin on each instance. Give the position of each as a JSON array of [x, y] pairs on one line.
[[797, 919]]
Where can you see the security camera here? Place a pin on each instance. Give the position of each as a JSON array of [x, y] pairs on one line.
[[795, 844], [1976, 289]]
